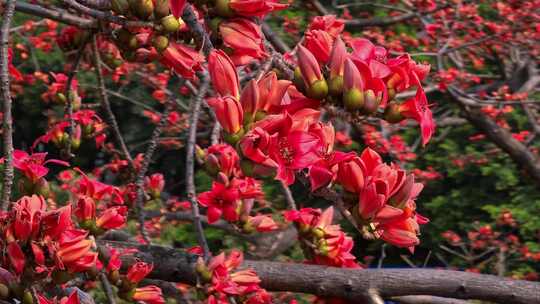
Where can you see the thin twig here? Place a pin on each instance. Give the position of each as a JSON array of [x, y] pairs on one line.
[[107, 106], [55, 14], [7, 127], [190, 165], [139, 181], [107, 288], [383, 256], [106, 16], [68, 110]]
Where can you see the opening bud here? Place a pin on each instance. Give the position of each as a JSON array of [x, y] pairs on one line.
[[371, 102]]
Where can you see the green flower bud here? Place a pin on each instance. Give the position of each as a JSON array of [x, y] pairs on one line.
[[318, 90], [353, 100]]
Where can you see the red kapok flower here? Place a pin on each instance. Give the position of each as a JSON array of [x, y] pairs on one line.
[[138, 271]]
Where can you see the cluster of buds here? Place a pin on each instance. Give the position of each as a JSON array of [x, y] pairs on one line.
[[86, 125], [154, 185], [221, 281], [365, 81], [383, 198], [233, 195], [324, 243], [40, 244], [158, 43], [57, 90], [110, 218]]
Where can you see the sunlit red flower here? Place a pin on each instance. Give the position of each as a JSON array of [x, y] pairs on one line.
[[148, 294], [245, 38], [223, 74], [33, 165], [221, 200], [229, 113], [138, 271], [182, 59], [255, 8]]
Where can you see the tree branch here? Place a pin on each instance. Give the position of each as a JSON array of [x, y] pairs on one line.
[[139, 180], [107, 105], [351, 284], [7, 124], [54, 14], [68, 110], [501, 137], [200, 34], [190, 164], [427, 300]]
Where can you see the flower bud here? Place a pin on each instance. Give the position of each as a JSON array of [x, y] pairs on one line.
[[371, 102], [250, 101], [223, 9], [4, 292], [114, 277], [309, 67], [229, 113], [121, 7], [142, 8], [392, 113], [170, 24], [233, 139], [223, 74], [222, 179], [60, 98], [318, 232], [161, 8], [27, 298], [353, 100], [211, 165], [318, 90], [42, 187], [160, 43], [336, 86], [353, 86]]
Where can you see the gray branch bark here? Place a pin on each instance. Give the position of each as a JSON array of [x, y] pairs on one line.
[[351, 284]]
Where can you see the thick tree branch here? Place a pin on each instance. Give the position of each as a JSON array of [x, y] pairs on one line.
[[7, 123], [427, 300], [501, 137], [176, 266]]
